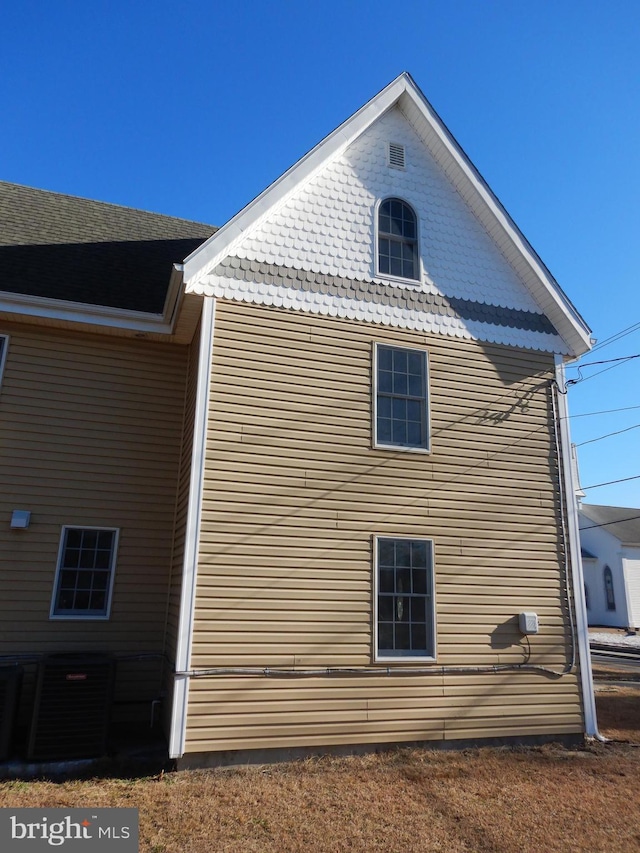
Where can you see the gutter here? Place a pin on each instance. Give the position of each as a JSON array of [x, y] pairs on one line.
[[577, 577]]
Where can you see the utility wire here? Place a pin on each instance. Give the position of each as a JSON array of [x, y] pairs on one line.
[[608, 435], [606, 523], [604, 361], [616, 337], [611, 482], [604, 412], [616, 363]]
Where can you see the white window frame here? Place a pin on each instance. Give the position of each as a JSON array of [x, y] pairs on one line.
[[404, 658], [85, 615], [387, 276], [380, 445], [4, 346]]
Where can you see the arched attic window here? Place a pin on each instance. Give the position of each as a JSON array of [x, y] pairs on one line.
[[398, 240], [608, 589]]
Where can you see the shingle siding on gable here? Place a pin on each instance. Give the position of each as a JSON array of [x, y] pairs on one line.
[[328, 225], [374, 293], [293, 494], [316, 252]]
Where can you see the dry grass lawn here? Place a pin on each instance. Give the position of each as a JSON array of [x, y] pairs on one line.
[[477, 801]]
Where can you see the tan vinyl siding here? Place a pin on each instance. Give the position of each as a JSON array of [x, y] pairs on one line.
[[294, 493], [90, 433]]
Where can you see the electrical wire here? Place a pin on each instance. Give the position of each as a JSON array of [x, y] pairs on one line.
[[608, 435], [605, 361], [614, 362], [607, 523], [616, 337], [604, 412], [611, 482], [336, 671]]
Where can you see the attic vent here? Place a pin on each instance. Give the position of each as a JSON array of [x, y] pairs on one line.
[[396, 155]]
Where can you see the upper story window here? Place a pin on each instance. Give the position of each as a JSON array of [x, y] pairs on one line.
[[608, 589], [84, 578], [398, 240], [400, 400], [4, 342]]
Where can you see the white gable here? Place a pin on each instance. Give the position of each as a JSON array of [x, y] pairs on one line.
[[320, 218], [327, 225]]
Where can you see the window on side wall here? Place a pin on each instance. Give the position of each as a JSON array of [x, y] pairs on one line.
[[401, 398], [4, 343], [84, 576], [404, 600], [398, 240], [608, 589]]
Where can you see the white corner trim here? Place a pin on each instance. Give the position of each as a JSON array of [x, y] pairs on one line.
[[577, 577], [192, 535]]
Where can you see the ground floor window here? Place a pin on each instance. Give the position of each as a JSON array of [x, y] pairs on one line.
[[404, 605], [84, 576]]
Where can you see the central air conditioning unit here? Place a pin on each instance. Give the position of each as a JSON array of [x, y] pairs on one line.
[[10, 681], [72, 707]]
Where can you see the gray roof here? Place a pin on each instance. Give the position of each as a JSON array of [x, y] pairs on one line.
[[64, 247], [623, 522]]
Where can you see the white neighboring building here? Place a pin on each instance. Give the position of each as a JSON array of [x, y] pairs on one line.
[[610, 540]]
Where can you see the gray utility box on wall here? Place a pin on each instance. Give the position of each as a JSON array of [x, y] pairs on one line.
[[72, 707]]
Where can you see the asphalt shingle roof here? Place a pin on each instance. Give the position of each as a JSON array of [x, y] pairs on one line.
[[621, 521], [70, 248]]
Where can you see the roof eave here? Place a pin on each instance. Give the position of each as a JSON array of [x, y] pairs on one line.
[[25, 306]]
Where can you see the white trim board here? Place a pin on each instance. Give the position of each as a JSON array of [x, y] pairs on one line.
[[192, 535]]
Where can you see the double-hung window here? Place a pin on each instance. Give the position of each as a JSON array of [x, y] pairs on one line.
[[84, 578], [398, 240], [401, 416], [404, 605]]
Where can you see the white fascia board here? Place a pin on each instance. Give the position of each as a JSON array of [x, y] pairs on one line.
[[550, 297], [213, 250], [575, 555], [178, 731], [79, 312], [174, 293]]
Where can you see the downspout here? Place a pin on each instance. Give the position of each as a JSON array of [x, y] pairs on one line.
[[577, 579], [178, 731]]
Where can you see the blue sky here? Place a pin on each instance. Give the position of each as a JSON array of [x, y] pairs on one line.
[[193, 108]]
